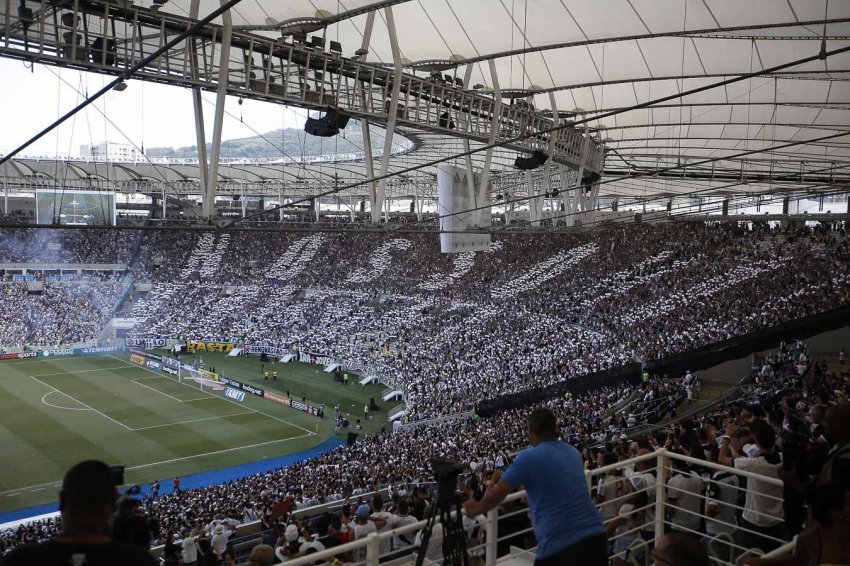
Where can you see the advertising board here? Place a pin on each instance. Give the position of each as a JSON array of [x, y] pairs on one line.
[[234, 394]]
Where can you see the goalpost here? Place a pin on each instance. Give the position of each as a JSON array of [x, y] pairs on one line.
[[201, 377]]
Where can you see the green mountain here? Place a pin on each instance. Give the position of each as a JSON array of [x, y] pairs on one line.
[[289, 142]]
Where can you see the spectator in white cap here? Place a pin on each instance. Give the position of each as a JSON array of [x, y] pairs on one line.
[[220, 538], [299, 541]]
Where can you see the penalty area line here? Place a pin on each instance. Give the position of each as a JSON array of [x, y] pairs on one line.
[[308, 431]]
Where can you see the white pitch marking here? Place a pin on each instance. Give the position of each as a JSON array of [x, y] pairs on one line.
[[157, 390], [81, 403], [18, 491], [79, 371], [220, 451], [57, 406], [309, 432], [194, 420]]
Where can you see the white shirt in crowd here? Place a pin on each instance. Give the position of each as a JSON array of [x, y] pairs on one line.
[[763, 505], [722, 494], [684, 490]]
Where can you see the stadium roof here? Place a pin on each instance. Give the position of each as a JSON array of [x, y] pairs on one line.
[[772, 132]]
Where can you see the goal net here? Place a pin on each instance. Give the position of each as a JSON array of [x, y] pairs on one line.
[[203, 379]]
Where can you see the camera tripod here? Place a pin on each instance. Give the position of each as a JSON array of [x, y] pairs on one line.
[[454, 536]]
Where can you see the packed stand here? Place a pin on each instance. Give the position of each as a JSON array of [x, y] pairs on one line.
[[449, 328]]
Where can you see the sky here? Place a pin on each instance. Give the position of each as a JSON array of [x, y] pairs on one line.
[[147, 113]]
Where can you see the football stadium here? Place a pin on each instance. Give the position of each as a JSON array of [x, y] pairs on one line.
[[424, 282]]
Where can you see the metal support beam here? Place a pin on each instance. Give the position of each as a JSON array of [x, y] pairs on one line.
[[532, 202], [470, 172], [218, 119], [198, 106], [494, 131], [374, 207], [547, 169], [393, 110]]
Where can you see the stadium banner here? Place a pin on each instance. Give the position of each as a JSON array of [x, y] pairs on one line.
[[231, 382], [169, 362], [18, 355], [243, 386], [195, 345], [295, 404], [278, 398], [153, 365], [57, 352], [170, 370], [137, 359], [147, 343], [278, 351], [207, 374], [234, 394], [318, 359], [251, 389], [96, 350]]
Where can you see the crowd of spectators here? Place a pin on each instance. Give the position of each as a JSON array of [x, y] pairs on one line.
[[67, 245], [759, 418], [70, 308], [60, 313], [449, 329]]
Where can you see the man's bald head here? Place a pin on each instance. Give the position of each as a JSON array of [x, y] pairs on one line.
[[837, 423], [88, 495], [263, 554], [681, 549]]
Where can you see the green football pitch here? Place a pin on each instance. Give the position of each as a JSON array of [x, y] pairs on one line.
[[55, 412]]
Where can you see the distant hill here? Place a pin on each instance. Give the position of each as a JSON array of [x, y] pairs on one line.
[[294, 143]]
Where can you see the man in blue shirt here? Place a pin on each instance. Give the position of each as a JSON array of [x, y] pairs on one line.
[[567, 525]]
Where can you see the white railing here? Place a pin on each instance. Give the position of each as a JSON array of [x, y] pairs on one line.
[[723, 548]]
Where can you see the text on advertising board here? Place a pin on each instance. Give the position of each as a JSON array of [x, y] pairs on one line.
[[234, 394], [193, 346]]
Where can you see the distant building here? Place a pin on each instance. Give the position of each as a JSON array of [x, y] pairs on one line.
[[111, 151]]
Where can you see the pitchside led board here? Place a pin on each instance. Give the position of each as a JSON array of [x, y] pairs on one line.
[[453, 199], [75, 208]]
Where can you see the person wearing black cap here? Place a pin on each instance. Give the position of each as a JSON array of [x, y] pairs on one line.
[[87, 501]]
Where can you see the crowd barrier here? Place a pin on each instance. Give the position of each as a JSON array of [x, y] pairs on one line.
[[646, 526]]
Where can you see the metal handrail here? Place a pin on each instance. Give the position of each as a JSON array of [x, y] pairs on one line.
[[661, 457]]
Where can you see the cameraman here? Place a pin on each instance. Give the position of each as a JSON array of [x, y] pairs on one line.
[[567, 525], [87, 501]]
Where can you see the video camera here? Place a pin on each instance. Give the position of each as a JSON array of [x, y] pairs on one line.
[[446, 474]]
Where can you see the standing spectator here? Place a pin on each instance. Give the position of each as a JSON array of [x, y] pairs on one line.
[[684, 490], [611, 489], [175, 484], [87, 501], [566, 523], [761, 522], [190, 548], [837, 425], [155, 488], [644, 480], [361, 527], [722, 496], [219, 539]]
